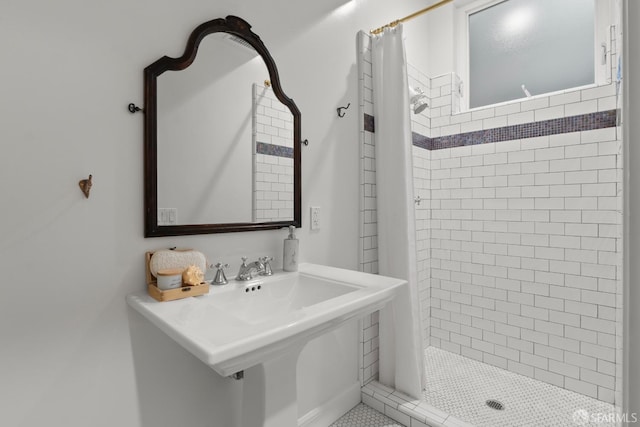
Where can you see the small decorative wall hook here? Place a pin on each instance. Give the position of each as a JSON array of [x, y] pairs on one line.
[[85, 186], [133, 108], [340, 112]]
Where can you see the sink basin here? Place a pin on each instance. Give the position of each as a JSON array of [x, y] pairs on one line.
[[242, 324], [259, 328], [263, 303]]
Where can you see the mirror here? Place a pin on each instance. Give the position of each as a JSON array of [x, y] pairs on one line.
[[222, 140]]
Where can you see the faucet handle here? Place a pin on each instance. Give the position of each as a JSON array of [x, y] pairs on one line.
[[218, 266], [244, 260], [266, 261], [221, 278]]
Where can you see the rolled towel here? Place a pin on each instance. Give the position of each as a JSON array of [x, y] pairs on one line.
[[166, 259]]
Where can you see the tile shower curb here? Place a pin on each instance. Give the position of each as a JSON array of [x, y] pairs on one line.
[[405, 410]]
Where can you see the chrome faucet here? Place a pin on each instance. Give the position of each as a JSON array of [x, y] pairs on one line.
[[245, 271]]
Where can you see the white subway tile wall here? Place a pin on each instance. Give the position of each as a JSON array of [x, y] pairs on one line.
[[273, 191], [273, 174], [520, 241], [525, 247], [368, 242]]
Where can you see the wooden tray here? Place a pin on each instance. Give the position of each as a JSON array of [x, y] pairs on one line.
[[177, 293], [171, 294]]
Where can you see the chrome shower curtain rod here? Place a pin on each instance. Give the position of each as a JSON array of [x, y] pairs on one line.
[[409, 17]]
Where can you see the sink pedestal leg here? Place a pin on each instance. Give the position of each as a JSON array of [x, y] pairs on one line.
[[270, 393]]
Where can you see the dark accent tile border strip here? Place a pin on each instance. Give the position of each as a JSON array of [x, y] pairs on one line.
[[274, 150], [583, 122], [421, 141], [369, 123]]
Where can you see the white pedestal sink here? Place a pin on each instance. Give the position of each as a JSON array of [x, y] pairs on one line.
[[259, 327]]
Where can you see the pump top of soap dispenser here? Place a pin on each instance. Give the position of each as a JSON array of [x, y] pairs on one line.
[[292, 232]]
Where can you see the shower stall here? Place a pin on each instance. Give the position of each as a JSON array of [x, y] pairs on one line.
[[518, 225]]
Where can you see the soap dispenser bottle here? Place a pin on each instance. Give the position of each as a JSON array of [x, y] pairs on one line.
[[290, 251]]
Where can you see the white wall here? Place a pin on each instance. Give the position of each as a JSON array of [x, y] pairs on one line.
[[70, 68], [632, 206]]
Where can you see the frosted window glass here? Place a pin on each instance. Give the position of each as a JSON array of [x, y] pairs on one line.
[[546, 45]]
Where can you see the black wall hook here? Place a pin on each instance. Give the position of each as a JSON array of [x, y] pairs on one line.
[[340, 112], [133, 108]]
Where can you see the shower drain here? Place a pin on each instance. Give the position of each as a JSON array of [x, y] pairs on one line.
[[494, 404]]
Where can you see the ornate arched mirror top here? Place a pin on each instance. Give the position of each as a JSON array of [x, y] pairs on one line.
[[222, 140]]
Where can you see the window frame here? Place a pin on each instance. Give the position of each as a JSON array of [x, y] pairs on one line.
[[602, 72]]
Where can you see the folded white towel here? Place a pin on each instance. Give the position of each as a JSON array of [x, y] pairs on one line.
[[167, 259]]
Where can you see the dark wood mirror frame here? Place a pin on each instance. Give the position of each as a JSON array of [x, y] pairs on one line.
[[240, 28]]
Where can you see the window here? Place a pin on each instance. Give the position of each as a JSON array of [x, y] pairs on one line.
[[520, 48]]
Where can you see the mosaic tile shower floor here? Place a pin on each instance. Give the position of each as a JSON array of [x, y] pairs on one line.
[[460, 387]]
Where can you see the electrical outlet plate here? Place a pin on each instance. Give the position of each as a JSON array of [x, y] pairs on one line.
[[167, 216], [315, 218]]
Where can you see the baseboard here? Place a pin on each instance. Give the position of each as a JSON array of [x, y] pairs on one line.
[[330, 411]]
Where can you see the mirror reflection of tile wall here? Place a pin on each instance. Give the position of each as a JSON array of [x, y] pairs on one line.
[[273, 157]]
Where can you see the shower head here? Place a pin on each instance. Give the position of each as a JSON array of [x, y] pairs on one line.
[[418, 99], [420, 106]]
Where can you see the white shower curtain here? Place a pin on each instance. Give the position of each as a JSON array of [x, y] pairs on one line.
[[401, 347]]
